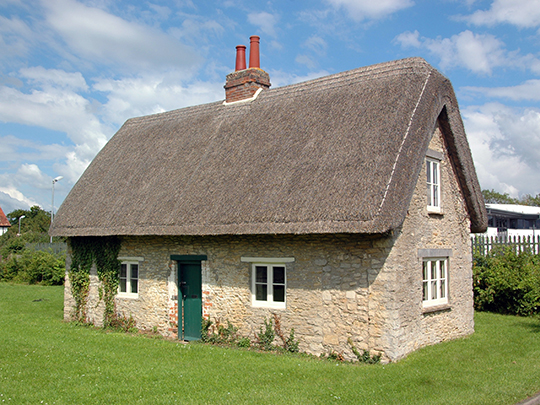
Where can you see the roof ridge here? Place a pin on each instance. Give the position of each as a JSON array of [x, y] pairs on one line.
[[381, 69]]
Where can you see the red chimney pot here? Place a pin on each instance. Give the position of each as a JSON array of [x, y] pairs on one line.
[[240, 57], [254, 61]]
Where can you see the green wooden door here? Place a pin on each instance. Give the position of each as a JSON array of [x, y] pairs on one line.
[[190, 289]]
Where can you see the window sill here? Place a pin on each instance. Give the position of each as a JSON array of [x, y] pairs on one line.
[[262, 304], [128, 296], [436, 308]]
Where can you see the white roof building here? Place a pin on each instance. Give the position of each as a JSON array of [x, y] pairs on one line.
[[512, 220]]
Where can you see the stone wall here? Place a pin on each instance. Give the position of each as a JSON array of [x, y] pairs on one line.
[[364, 287], [410, 326]]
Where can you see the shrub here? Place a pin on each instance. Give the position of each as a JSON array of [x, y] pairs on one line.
[[265, 340], [122, 323], [291, 345], [34, 267], [507, 282], [218, 334], [244, 342]]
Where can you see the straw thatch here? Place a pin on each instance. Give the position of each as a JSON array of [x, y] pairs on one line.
[[339, 154]]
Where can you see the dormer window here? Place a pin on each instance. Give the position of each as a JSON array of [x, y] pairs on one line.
[[433, 177]]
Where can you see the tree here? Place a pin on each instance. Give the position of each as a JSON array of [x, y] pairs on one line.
[[34, 229], [36, 220], [528, 199], [494, 197]]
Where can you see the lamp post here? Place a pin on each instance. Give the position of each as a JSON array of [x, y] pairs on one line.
[[55, 180], [21, 217]]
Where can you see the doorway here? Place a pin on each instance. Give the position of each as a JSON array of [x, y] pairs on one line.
[[189, 296]]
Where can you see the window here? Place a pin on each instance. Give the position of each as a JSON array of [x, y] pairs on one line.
[[268, 281], [128, 285], [435, 281], [433, 185]]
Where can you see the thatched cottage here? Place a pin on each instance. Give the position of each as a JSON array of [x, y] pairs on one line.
[[342, 204]]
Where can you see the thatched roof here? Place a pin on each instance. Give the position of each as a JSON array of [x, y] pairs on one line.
[[339, 154]]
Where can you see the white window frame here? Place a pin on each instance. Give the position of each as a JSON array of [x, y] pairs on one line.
[[434, 283], [129, 262], [433, 180], [270, 264]]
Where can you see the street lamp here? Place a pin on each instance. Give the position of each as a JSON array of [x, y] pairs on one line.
[[55, 180], [21, 217]]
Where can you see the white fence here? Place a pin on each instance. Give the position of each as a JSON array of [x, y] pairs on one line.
[[484, 244]]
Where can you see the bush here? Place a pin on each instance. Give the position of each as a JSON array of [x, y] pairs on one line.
[[265, 339], [507, 282], [218, 333], [34, 267]]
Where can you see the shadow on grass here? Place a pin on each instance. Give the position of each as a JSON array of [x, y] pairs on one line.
[[532, 324]]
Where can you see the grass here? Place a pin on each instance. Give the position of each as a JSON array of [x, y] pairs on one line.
[[45, 360]]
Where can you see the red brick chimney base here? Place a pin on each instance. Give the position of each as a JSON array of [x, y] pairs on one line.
[[243, 84]]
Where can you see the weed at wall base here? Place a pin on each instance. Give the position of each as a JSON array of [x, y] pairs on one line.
[[364, 357]]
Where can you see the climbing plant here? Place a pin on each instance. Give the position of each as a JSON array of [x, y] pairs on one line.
[[104, 252], [79, 276], [108, 269]]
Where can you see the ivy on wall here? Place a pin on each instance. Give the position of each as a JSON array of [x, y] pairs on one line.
[[104, 252], [79, 276]]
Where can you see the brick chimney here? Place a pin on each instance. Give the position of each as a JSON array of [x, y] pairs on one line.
[[243, 83]]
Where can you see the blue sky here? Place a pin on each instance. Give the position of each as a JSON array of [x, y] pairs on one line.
[[73, 71]]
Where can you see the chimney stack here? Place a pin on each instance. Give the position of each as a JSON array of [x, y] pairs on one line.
[[243, 83]]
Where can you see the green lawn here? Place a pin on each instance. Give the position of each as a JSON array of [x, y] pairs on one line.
[[44, 360]]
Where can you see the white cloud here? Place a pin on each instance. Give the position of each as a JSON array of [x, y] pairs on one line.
[[30, 173], [51, 78], [57, 109], [305, 60], [53, 103], [521, 13], [95, 35], [370, 9], [505, 144], [13, 199], [265, 21], [73, 166], [316, 44], [409, 39], [131, 97], [15, 38], [28, 178], [529, 90], [9, 204], [193, 28], [17, 149], [480, 53]]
